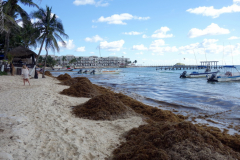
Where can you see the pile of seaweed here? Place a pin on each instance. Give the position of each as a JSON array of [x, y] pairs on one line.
[[81, 87], [72, 81], [153, 113], [181, 140], [166, 136], [232, 141], [47, 73], [102, 107], [64, 77]]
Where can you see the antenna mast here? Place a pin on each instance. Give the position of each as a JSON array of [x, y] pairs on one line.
[[195, 57], [231, 53], [1, 17]]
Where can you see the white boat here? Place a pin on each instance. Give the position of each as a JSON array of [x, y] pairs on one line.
[[230, 74], [105, 71], [195, 74], [99, 71]]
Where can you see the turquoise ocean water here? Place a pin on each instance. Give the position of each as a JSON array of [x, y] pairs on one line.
[[195, 97]]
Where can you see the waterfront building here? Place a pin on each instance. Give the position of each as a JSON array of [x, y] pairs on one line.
[[92, 61]]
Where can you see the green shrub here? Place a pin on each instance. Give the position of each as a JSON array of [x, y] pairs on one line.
[[3, 73]]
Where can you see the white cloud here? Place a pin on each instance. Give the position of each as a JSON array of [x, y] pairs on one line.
[[162, 33], [144, 36], [132, 33], [69, 44], [139, 53], [139, 47], [234, 37], [94, 26], [112, 54], [124, 53], [100, 3], [236, 1], [80, 49], [158, 43], [214, 13], [20, 23], [92, 53], [212, 29], [94, 39], [119, 18], [112, 46], [52, 14], [158, 46], [208, 46]]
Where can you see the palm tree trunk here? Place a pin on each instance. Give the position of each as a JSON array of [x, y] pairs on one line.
[[40, 50], [6, 46], [43, 75]]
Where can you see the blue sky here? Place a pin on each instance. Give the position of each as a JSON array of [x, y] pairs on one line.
[[151, 32]]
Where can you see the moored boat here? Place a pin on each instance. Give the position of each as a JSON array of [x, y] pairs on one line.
[[105, 71], [195, 74], [230, 74]]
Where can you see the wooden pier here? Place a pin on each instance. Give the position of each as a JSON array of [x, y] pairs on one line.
[[204, 65], [185, 67]]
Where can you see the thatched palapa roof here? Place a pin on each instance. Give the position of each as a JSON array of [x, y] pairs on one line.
[[22, 52]]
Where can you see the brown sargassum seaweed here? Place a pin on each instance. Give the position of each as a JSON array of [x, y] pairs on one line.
[[165, 136]]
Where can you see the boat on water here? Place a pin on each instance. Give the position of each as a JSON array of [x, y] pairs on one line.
[[230, 74], [195, 74], [99, 71], [105, 71]]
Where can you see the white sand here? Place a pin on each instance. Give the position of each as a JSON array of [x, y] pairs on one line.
[[36, 123]]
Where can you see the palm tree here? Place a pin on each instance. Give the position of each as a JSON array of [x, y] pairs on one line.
[[51, 30], [74, 60], [58, 61], [64, 58], [79, 59], [135, 61], [51, 62], [26, 36], [11, 10], [40, 59]]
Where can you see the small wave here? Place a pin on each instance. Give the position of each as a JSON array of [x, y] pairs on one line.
[[172, 104]]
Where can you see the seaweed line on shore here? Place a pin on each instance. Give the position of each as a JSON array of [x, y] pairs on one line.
[[165, 136]]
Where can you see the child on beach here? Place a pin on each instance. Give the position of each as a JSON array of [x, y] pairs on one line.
[[25, 74]]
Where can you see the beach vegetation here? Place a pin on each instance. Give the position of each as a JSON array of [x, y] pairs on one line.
[[51, 62], [40, 59], [64, 58], [73, 61], [12, 10], [79, 59], [26, 37], [51, 29], [3, 73], [9, 58]]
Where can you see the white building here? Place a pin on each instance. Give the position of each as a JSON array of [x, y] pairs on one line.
[[91, 60]]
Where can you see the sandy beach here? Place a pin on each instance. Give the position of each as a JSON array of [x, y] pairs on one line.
[[51, 120], [36, 123]]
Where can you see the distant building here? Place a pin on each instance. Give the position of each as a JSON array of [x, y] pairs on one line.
[[92, 60]]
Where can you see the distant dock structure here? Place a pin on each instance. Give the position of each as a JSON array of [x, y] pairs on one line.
[[204, 64]]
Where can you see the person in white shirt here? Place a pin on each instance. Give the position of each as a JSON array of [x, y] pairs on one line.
[[25, 74]]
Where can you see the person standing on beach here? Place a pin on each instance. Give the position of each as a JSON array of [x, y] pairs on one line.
[[25, 74]]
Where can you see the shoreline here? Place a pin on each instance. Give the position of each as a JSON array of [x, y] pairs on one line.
[[37, 123]]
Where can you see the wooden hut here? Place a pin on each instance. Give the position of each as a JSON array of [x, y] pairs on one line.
[[22, 56]]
